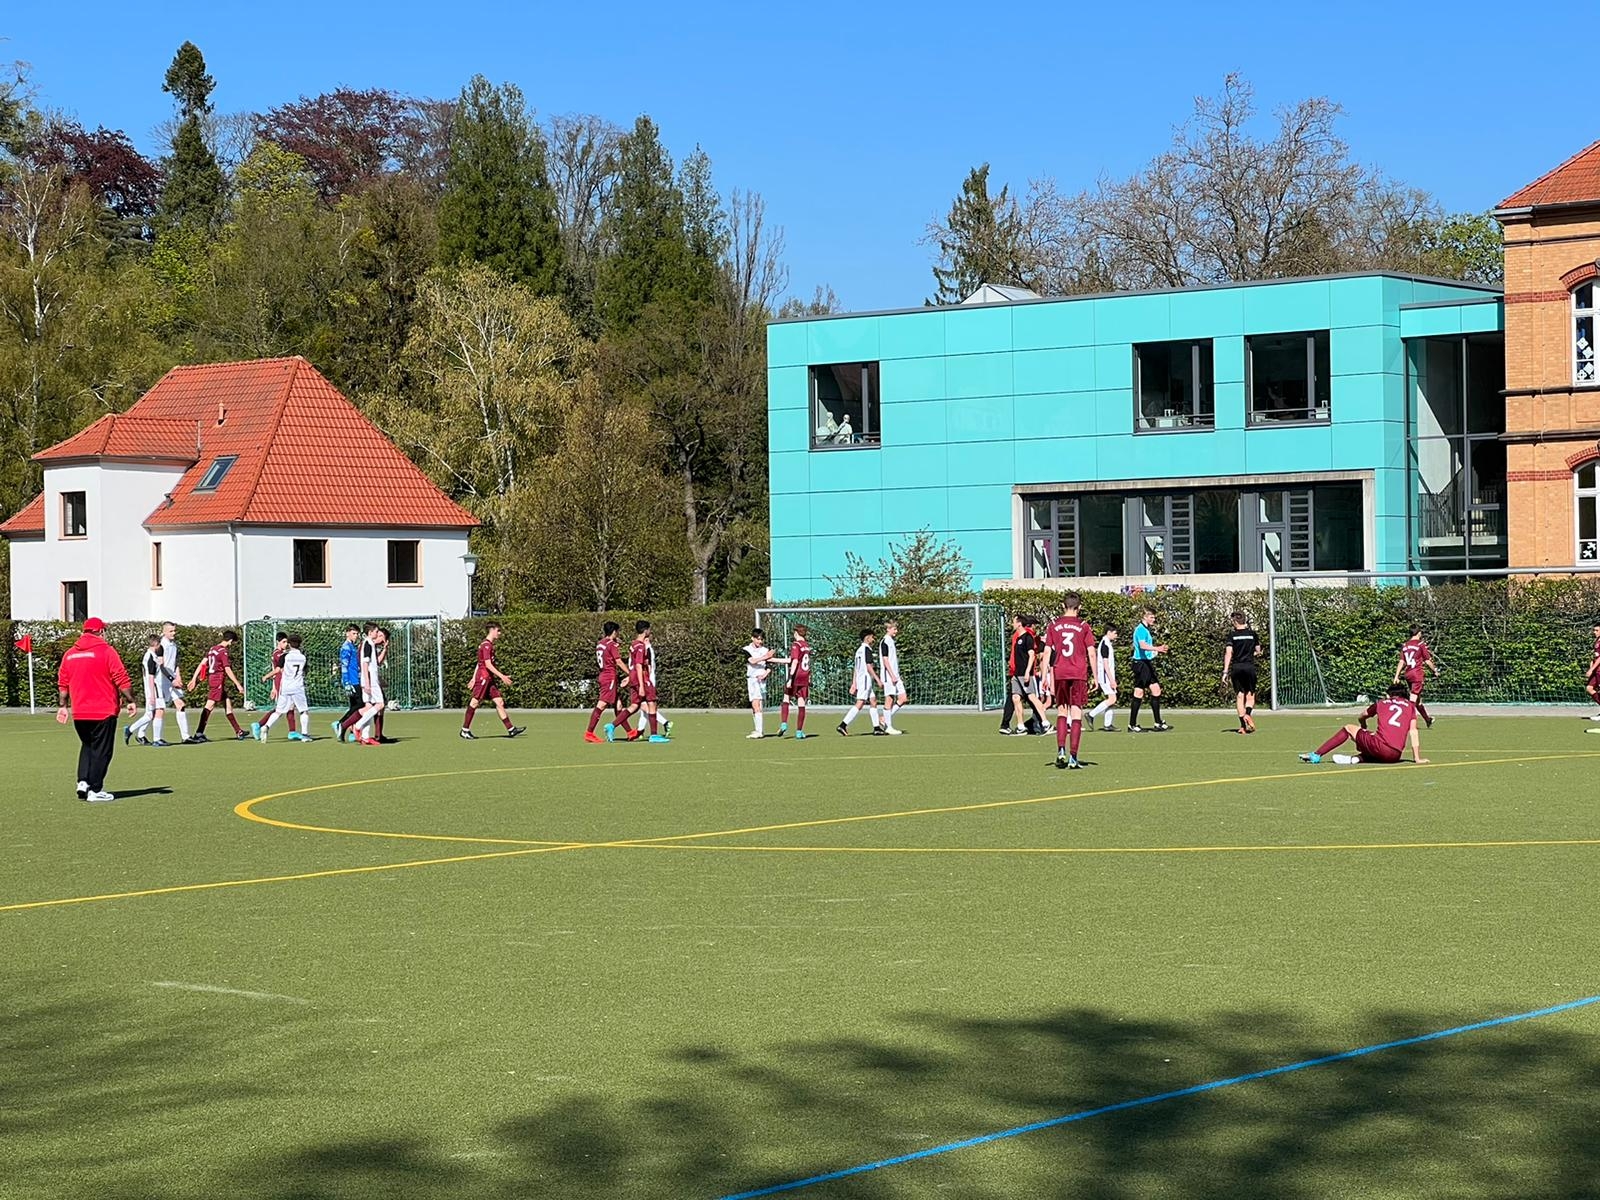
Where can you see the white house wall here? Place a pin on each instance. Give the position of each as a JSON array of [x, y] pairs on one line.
[[358, 574], [198, 571], [35, 591]]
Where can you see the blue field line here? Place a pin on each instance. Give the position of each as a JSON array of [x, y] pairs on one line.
[[1143, 1101]]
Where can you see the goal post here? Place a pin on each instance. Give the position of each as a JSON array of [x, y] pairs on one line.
[[412, 672], [1510, 636], [951, 655]]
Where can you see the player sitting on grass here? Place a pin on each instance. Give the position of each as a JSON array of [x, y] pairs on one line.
[[758, 657], [150, 670], [894, 684], [484, 686], [291, 695], [1239, 670], [798, 687], [863, 686], [607, 656], [1414, 658], [1397, 725], [1069, 644], [216, 667]]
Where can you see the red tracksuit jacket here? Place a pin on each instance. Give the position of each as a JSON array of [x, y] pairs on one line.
[[92, 674]]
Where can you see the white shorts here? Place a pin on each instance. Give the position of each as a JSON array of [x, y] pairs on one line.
[[757, 688], [897, 688], [863, 686], [371, 695], [165, 694], [295, 700]]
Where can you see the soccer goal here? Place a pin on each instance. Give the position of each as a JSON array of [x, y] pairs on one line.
[[413, 672], [1518, 636], [951, 655]]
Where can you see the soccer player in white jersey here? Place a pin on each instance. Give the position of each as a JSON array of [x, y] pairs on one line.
[[169, 687], [758, 658], [291, 695], [1105, 678], [894, 684], [372, 701], [863, 686], [149, 671]]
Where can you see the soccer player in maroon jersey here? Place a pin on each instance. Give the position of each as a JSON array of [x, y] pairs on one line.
[[798, 688], [276, 675], [638, 670], [1397, 725], [642, 681], [1415, 657], [485, 686], [607, 654], [214, 668], [1591, 682], [1068, 644]]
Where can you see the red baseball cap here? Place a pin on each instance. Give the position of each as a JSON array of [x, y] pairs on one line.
[[94, 625]]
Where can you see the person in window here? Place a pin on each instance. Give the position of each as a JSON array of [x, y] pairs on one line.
[[828, 428], [845, 435]]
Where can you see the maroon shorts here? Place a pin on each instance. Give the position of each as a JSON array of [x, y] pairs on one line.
[[1374, 749], [485, 689], [1415, 685], [1071, 692], [799, 688], [608, 691], [1593, 681], [214, 684], [644, 695]]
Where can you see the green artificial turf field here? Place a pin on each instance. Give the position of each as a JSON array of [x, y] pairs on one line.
[[853, 950]]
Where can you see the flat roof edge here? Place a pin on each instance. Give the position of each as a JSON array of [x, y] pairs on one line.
[[1452, 303], [1493, 290]]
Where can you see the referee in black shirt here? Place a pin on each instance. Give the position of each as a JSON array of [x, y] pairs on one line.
[[1239, 670]]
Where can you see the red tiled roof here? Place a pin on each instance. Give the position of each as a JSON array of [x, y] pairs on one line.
[[124, 435], [303, 453], [1574, 181], [27, 523]]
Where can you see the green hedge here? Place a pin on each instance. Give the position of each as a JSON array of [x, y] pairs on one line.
[[1522, 641], [51, 639]]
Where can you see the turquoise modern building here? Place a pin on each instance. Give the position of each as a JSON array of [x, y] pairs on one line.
[[1334, 423]]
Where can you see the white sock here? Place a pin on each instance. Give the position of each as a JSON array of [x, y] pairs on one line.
[[851, 715], [888, 717], [366, 721], [267, 724], [143, 722], [183, 723], [1108, 717], [160, 720], [873, 713], [759, 723]]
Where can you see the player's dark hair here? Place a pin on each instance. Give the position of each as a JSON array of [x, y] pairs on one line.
[[230, 635], [640, 626], [1236, 617], [283, 637], [1416, 629], [294, 640], [155, 639], [1399, 691], [610, 627], [758, 632], [1071, 600], [372, 627], [865, 634], [803, 630], [1111, 627], [384, 629], [491, 625], [1149, 612], [352, 629]]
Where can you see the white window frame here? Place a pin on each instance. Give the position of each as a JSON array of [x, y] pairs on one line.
[[1593, 315], [1579, 495]]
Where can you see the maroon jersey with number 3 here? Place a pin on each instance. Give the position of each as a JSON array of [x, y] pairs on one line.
[[1070, 641]]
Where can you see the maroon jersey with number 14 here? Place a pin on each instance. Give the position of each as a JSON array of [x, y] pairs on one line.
[[1070, 641], [1416, 655]]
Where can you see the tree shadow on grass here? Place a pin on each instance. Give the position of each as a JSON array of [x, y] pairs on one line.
[[1507, 1112]]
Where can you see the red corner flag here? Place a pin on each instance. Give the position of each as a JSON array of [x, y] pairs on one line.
[[25, 644]]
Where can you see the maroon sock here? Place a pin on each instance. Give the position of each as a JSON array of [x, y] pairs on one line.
[[800, 716], [594, 719], [466, 717], [1332, 743], [234, 721], [377, 726], [1077, 732], [783, 713], [655, 726], [506, 721], [1422, 711], [1061, 733]]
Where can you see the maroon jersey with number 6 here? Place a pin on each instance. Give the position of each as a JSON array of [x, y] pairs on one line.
[[1070, 641]]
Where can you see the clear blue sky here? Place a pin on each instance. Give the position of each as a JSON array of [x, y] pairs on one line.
[[858, 121]]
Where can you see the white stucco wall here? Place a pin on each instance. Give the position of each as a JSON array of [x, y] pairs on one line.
[[358, 575], [114, 556], [198, 577]]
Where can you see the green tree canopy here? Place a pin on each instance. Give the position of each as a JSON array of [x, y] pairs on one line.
[[195, 186], [983, 240]]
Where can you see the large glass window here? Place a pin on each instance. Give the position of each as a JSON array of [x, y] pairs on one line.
[[844, 406], [310, 562], [74, 515], [1288, 377], [1071, 537], [1173, 386], [75, 601], [1583, 313], [1457, 461], [405, 563], [1588, 502]]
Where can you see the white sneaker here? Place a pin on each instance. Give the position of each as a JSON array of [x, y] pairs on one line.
[[98, 797], [83, 788], [1345, 760], [753, 736], [893, 732]]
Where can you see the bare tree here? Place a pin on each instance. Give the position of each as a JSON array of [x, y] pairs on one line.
[[581, 160]]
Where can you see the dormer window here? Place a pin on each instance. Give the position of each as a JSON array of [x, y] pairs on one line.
[[216, 472], [1583, 313]]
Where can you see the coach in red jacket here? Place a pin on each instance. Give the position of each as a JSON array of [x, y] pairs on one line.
[[92, 678]]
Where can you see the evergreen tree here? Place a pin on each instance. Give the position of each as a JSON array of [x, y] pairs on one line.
[[982, 241], [647, 246], [194, 190], [498, 208]]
